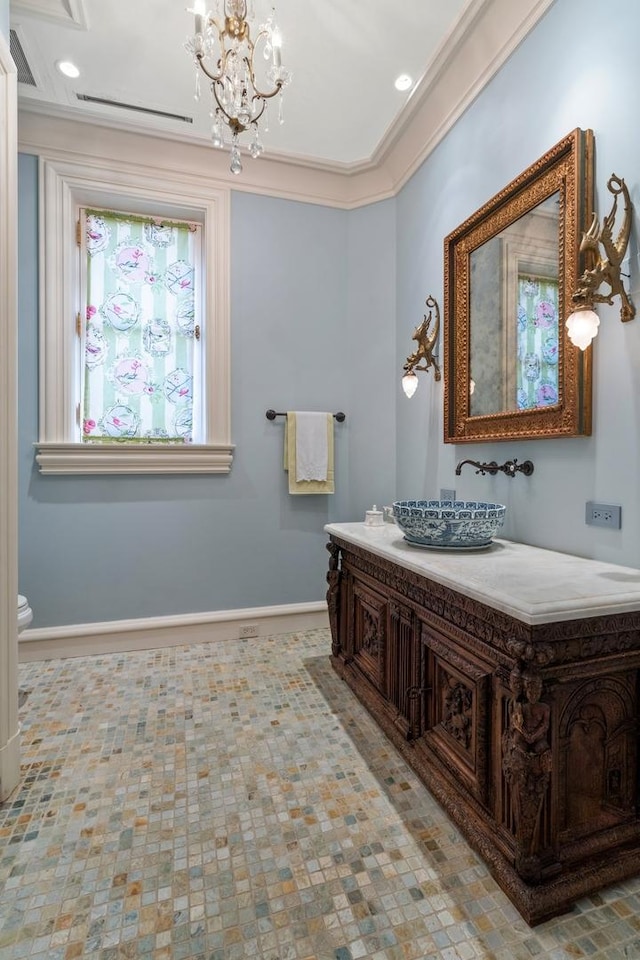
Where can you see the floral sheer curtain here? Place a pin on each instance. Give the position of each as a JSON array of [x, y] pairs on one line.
[[141, 335], [537, 367]]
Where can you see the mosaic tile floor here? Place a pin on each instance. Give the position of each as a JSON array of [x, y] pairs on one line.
[[233, 800]]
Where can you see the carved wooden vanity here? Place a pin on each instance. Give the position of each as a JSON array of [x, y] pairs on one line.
[[509, 680]]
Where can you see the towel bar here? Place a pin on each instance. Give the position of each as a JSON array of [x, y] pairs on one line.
[[272, 414]]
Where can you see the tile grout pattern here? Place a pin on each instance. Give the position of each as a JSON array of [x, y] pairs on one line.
[[234, 800]]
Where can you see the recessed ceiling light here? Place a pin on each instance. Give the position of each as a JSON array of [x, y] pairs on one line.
[[403, 82], [68, 69]]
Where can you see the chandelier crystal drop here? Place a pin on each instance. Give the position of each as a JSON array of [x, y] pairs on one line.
[[244, 74]]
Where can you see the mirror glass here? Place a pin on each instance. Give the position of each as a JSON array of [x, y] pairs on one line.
[[514, 322], [510, 370]]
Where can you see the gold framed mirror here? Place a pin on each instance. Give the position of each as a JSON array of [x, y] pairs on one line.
[[509, 272]]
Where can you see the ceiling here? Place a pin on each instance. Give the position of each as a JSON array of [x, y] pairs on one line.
[[339, 110]]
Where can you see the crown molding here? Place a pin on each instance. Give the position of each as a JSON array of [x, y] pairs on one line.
[[69, 13], [456, 77], [458, 73], [69, 139]]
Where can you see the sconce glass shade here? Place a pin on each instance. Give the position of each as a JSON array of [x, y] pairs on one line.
[[409, 384], [582, 327]]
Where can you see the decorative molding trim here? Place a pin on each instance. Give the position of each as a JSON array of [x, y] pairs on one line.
[[147, 633], [55, 133], [76, 458], [69, 13], [457, 75], [9, 738], [64, 185]]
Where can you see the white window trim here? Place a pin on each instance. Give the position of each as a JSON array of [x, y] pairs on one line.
[[65, 185]]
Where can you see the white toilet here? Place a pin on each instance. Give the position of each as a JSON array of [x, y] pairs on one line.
[[25, 613]]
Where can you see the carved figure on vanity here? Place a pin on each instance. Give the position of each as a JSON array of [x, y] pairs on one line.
[[333, 595], [530, 717], [370, 636], [458, 706], [526, 764]]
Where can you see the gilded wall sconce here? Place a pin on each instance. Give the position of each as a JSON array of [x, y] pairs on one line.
[[582, 323], [422, 358]]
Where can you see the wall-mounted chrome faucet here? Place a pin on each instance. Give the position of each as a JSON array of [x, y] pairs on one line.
[[510, 467]]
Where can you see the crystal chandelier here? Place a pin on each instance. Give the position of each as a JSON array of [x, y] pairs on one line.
[[223, 50]]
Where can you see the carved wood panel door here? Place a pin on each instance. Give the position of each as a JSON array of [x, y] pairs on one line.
[[370, 612], [457, 709], [402, 667], [597, 742]]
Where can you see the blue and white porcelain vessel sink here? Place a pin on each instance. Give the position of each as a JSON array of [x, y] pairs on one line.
[[449, 524]]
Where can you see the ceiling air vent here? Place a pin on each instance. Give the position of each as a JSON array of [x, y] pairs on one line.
[[22, 65], [132, 106]]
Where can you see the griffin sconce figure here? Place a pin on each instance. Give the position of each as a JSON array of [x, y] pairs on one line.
[[606, 265], [426, 337]]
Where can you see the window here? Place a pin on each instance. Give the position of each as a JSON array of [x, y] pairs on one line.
[[137, 327], [134, 339], [537, 339]]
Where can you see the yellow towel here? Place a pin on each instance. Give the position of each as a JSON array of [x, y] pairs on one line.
[[306, 486]]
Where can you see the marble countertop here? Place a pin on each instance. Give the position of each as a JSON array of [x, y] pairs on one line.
[[529, 583]]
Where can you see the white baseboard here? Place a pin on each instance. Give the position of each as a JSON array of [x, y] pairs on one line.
[[116, 636]]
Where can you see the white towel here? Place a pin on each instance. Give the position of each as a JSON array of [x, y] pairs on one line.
[[312, 450]]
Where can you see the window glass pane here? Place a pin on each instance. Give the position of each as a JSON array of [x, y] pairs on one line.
[[537, 370], [141, 279]]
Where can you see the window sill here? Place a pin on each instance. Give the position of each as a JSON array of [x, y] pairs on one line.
[[139, 458]]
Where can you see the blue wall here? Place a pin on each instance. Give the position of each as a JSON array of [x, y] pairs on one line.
[[323, 319], [572, 71], [94, 549], [4, 18]]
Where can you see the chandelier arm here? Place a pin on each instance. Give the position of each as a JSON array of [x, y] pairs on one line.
[[262, 35], [232, 121], [248, 60], [259, 94], [222, 61], [212, 76], [214, 89], [218, 77], [263, 105]]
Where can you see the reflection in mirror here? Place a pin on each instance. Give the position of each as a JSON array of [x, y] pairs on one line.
[[510, 271], [514, 322]]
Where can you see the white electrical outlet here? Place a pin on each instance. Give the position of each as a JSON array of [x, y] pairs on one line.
[[248, 630]]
